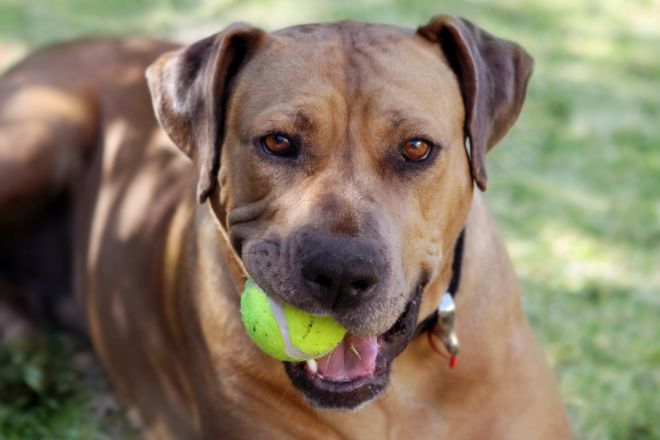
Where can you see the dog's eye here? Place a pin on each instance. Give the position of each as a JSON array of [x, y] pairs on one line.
[[277, 144], [415, 150]]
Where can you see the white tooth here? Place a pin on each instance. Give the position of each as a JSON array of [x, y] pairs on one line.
[[313, 367]]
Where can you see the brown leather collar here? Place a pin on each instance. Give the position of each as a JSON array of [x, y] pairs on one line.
[[237, 271]]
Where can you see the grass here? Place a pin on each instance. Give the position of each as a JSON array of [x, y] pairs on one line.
[[56, 390], [575, 187]]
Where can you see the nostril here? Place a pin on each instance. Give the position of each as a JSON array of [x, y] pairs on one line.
[[359, 286], [323, 281]]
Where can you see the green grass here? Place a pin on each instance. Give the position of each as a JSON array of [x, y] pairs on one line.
[[576, 188], [53, 389]]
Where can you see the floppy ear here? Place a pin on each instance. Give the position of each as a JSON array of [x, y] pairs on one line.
[[493, 74], [189, 89]]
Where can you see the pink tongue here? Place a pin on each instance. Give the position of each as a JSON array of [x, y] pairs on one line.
[[353, 358]]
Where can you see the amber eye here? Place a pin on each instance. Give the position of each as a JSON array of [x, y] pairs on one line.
[[277, 144], [415, 150]]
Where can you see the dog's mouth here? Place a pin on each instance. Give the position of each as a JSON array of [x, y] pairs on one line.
[[358, 369]]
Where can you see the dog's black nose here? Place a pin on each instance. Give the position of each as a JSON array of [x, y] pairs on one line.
[[341, 271]]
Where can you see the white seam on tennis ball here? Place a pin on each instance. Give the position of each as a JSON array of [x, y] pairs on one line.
[[283, 326]]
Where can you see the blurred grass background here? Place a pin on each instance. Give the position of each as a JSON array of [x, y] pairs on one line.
[[575, 186]]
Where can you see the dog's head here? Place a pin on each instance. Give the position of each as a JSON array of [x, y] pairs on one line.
[[338, 154]]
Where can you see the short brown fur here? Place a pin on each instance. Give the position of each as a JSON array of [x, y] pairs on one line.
[[160, 305]]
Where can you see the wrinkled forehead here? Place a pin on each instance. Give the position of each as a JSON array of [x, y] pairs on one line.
[[347, 64]]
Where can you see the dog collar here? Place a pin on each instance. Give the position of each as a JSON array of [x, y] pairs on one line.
[[237, 271], [441, 323]]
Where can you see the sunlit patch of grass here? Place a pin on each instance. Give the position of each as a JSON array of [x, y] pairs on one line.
[[600, 338], [575, 186]]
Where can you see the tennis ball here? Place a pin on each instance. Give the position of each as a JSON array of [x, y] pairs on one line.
[[284, 332]]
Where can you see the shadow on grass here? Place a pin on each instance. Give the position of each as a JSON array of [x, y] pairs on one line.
[[53, 388]]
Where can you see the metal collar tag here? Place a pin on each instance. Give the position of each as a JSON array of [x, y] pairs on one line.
[[445, 329]]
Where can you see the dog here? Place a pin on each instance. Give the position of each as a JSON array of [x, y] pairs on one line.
[[336, 164]]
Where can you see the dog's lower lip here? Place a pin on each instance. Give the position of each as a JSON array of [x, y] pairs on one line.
[[345, 386]]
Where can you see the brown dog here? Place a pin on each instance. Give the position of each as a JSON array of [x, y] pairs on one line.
[[335, 157]]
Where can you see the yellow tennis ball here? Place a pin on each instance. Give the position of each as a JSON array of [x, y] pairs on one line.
[[284, 332]]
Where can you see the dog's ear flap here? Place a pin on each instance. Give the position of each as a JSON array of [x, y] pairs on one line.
[[189, 89], [493, 74]]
